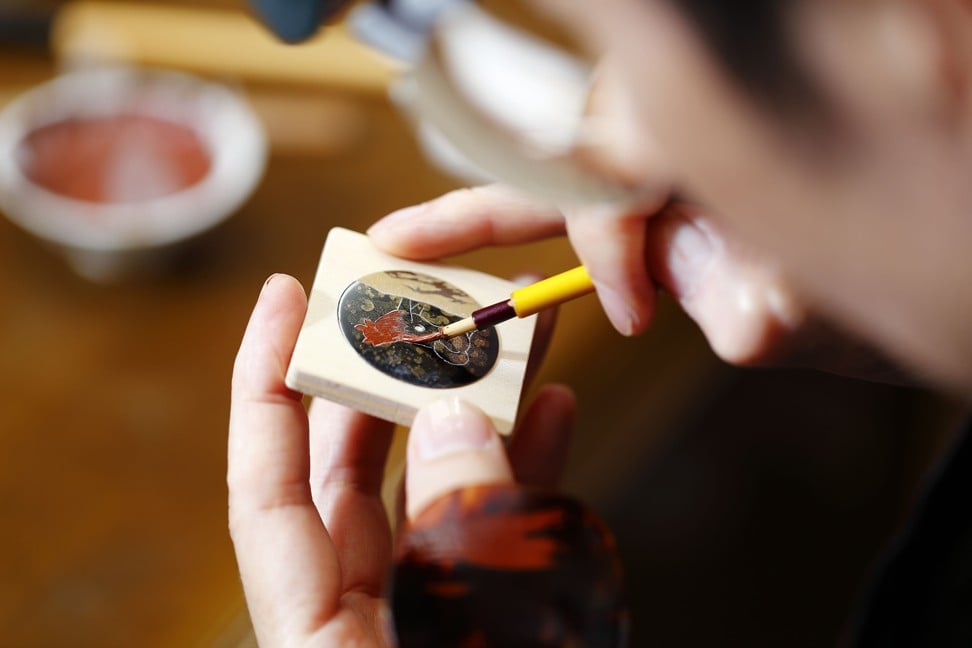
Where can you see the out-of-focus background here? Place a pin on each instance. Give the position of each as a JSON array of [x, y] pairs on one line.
[[749, 505]]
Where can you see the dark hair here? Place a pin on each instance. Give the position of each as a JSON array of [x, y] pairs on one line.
[[750, 38]]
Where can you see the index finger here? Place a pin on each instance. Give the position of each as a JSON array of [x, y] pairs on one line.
[[273, 520], [464, 220]]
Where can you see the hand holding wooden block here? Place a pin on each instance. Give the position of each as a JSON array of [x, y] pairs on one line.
[[363, 298]]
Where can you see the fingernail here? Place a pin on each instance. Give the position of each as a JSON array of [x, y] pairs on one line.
[[267, 282], [689, 256], [397, 218], [526, 279], [450, 426], [616, 308]]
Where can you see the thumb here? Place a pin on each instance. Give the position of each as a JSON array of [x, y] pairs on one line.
[[738, 298], [452, 445]]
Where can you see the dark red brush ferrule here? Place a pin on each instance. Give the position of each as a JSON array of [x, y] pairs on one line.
[[488, 316]]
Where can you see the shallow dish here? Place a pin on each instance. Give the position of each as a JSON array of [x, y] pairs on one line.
[[103, 239]]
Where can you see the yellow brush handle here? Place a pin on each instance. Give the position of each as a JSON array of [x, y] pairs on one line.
[[552, 291]]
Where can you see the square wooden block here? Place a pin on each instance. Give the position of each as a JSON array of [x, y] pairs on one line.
[[360, 290]]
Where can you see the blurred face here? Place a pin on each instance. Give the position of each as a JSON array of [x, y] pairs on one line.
[[869, 208]]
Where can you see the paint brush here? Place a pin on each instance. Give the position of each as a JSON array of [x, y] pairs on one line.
[[523, 302]]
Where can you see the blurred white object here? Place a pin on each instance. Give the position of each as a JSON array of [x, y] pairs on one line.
[[493, 101], [104, 240]]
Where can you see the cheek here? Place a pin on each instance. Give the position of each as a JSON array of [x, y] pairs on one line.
[[848, 237], [720, 149]]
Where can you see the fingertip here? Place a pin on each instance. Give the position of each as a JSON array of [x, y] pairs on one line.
[[270, 335], [612, 247], [279, 281], [281, 301], [449, 426], [553, 413], [396, 219], [538, 451], [681, 252], [629, 316], [452, 444], [562, 396], [411, 232]]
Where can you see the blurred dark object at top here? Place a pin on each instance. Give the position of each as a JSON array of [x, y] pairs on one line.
[[26, 25]]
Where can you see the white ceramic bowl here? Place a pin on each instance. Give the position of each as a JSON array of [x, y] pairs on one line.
[[105, 240]]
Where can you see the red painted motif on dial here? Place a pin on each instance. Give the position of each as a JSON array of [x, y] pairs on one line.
[[390, 328]]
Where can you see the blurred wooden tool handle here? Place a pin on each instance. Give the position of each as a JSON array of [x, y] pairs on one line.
[[213, 42]]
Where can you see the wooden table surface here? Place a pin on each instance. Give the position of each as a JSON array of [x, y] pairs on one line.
[[114, 398]]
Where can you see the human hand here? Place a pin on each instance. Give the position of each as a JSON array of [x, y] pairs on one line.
[[312, 538], [744, 305]]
